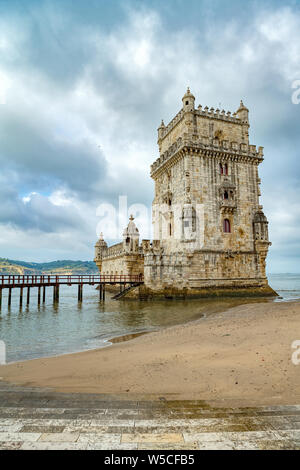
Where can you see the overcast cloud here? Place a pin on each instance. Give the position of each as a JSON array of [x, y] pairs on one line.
[[84, 85]]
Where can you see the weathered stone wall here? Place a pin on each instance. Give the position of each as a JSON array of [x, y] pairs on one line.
[[203, 269], [124, 264], [206, 175]]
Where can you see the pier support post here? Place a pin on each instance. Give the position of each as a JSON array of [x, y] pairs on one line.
[[9, 296], [21, 296], [39, 295], [79, 292], [44, 294], [101, 291], [0, 297], [56, 293], [28, 295]]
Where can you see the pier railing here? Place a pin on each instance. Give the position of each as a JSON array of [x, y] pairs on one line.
[[10, 280]]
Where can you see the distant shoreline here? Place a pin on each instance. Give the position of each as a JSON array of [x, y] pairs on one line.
[[15, 267]]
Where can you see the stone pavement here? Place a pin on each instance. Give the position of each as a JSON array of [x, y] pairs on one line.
[[41, 419]]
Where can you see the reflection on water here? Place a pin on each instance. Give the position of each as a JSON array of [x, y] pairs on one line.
[[66, 327]]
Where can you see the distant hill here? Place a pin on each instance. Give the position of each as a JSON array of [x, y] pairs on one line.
[[8, 266]]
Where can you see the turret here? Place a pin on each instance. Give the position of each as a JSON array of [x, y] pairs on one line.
[[188, 101], [243, 113], [100, 248], [260, 226], [131, 237], [160, 131]]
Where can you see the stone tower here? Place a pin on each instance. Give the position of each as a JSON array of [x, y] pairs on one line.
[[209, 229]]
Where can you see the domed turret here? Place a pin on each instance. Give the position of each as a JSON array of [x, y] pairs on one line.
[[188, 101], [100, 246], [131, 236], [161, 131], [243, 112], [260, 224]]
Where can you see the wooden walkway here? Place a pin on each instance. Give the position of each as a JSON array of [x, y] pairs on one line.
[[42, 281]]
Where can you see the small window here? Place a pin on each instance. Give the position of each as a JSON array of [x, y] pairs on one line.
[[226, 226], [127, 240], [221, 169], [170, 229], [225, 195], [186, 103], [226, 169]]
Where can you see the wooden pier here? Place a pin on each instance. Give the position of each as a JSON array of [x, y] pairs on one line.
[[41, 282]]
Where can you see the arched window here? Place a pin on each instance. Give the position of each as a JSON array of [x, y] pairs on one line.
[[225, 195], [170, 229], [226, 169], [221, 169], [226, 226]]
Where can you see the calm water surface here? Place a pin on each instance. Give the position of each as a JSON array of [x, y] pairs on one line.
[[50, 330]]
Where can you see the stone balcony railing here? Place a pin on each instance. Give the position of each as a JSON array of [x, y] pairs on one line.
[[206, 143], [114, 250], [229, 204], [118, 250]]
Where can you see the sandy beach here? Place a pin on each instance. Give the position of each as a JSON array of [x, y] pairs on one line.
[[238, 357]]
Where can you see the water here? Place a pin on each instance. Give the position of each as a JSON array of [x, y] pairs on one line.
[[51, 330], [286, 285]]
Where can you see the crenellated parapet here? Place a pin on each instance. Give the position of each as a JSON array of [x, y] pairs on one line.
[[223, 149]]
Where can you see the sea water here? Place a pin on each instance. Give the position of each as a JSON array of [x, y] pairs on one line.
[[52, 329]]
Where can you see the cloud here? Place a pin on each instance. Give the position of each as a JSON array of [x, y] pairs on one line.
[[85, 89]]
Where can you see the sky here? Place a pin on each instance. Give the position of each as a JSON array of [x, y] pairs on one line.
[[84, 86]]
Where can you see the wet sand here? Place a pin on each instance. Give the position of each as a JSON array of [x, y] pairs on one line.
[[238, 357]]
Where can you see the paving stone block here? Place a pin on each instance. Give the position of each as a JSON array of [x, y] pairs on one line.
[[10, 445], [101, 446], [155, 438], [53, 446], [59, 437], [42, 429], [17, 437], [101, 439]]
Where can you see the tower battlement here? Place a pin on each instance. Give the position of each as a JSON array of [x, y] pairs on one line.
[[206, 126]]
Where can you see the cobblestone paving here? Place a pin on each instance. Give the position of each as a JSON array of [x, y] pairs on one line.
[[40, 419]]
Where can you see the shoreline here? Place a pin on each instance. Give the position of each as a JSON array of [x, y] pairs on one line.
[[110, 340], [107, 341], [240, 355]]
